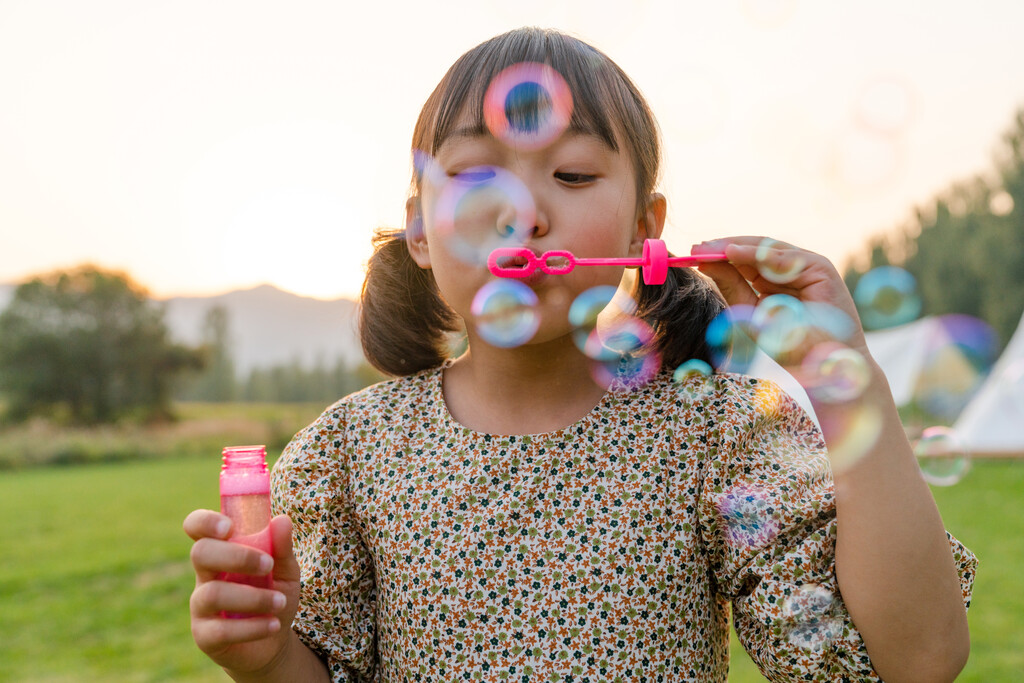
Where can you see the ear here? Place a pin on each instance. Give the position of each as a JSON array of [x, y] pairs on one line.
[[415, 236], [650, 223]]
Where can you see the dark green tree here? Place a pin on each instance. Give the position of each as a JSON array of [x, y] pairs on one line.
[[966, 247], [89, 345]]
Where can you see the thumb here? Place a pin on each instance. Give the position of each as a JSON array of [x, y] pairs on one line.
[[286, 567]]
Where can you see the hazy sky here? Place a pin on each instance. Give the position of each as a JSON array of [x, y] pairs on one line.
[[207, 146]]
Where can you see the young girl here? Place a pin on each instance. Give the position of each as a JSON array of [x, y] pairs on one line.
[[503, 517]]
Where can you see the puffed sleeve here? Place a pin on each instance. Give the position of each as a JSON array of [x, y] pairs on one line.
[[337, 597], [769, 526]]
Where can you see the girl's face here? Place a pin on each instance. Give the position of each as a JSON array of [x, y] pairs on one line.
[[583, 200]]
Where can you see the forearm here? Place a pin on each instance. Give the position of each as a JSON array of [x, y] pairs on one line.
[[894, 565], [296, 662]]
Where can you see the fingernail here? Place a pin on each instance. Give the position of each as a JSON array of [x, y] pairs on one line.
[[273, 626], [266, 564], [279, 600], [222, 528]]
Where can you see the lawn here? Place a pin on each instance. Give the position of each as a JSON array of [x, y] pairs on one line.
[[95, 581]]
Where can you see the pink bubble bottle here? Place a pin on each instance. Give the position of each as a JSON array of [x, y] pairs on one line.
[[245, 498]]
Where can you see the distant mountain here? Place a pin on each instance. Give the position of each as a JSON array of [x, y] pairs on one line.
[[269, 326]]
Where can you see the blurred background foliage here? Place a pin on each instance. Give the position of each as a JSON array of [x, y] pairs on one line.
[[965, 247]]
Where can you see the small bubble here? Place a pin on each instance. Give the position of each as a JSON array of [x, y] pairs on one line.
[[731, 339], [626, 359], [781, 324], [810, 619], [693, 378], [778, 262], [589, 308], [886, 297], [833, 372], [505, 313], [941, 457], [748, 515], [852, 432]]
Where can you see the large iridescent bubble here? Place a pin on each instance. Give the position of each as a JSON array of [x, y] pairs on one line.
[[886, 297], [505, 313], [528, 105], [481, 209]]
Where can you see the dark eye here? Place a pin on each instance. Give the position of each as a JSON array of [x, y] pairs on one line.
[[475, 175], [575, 178]]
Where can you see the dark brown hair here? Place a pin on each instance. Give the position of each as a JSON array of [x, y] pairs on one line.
[[403, 320]]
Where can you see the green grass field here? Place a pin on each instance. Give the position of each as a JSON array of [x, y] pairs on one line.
[[95, 580]]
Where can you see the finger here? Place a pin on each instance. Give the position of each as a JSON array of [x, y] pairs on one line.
[[731, 283], [211, 557], [206, 524], [286, 567], [214, 597], [214, 634]]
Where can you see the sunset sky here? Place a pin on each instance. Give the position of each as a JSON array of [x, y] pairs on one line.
[[208, 146]]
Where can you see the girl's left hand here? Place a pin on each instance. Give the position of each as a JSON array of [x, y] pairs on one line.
[[799, 273]]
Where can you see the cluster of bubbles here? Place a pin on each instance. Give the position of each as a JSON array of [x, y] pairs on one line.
[[483, 208], [955, 354]]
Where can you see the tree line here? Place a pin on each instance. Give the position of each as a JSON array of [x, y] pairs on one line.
[[965, 247], [89, 346]]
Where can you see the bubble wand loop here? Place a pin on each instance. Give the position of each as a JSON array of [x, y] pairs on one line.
[[654, 263]]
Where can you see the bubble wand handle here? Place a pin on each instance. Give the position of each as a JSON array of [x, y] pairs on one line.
[[654, 262]]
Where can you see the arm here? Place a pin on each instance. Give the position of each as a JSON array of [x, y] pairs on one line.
[[893, 561]]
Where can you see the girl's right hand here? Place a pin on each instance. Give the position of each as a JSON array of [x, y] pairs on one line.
[[244, 645]]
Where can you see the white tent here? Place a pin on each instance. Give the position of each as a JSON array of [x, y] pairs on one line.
[[993, 422]]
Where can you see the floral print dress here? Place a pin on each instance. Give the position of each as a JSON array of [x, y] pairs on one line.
[[611, 550]]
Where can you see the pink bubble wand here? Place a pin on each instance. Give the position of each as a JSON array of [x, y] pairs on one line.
[[653, 263]]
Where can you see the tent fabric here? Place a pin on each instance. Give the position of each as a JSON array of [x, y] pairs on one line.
[[993, 422]]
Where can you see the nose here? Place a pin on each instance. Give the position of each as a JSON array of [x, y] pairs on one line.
[[509, 224]]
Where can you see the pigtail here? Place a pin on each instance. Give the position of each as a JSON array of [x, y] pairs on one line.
[[679, 311], [402, 319]]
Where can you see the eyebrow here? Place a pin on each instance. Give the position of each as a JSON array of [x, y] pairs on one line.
[[463, 133], [480, 131]]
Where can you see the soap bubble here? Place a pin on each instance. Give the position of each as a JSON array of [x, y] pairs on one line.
[[731, 339], [748, 515], [528, 105], [693, 378], [584, 311], [781, 324], [887, 296], [810, 618], [505, 313], [622, 354], [482, 209], [833, 372], [776, 265], [852, 431], [941, 457]]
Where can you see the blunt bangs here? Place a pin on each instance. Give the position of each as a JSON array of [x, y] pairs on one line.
[[606, 104]]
